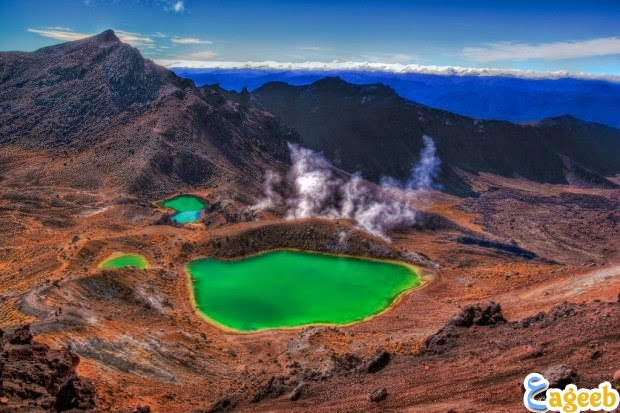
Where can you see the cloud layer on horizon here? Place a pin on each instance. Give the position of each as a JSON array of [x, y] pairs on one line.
[[381, 67]]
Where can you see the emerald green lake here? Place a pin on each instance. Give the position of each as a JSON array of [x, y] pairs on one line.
[[124, 260], [291, 288], [187, 208]]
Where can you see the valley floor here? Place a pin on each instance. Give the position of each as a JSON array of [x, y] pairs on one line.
[[529, 247]]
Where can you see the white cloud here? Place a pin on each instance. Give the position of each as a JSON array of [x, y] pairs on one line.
[[314, 49], [178, 7], [134, 39], [189, 40], [504, 51], [206, 54], [398, 58], [58, 28], [381, 67], [59, 34], [403, 58], [66, 34]]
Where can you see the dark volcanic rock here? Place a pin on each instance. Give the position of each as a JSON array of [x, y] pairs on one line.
[[32, 374], [223, 405], [543, 319], [1, 362], [511, 249], [274, 388], [376, 362], [560, 376], [442, 340], [477, 315], [428, 221], [561, 311], [297, 392], [346, 363], [22, 335], [377, 395], [76, 393]]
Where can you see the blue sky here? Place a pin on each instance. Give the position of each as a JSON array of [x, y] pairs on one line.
[[529, 35]]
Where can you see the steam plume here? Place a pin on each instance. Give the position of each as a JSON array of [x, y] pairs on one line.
[[426, 169], [312, 189]]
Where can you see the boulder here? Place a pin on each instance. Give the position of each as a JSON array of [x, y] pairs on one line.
[[21, 335], [477, 314], [377, 395], [376, 362], [560, 376], [297, 392]]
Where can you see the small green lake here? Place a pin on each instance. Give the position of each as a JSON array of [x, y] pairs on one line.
[[124, 260], [293, 288], [187, 207]]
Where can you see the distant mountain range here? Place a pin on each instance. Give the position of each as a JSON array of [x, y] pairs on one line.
[[371, 129], [95, 114], [479, 96]]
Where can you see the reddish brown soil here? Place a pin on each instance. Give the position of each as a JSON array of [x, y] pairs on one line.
[[142, 343]]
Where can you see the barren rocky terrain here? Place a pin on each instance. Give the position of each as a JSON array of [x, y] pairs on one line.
[[523, 277]]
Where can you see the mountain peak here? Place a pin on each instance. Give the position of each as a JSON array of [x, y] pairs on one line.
[[331, 80], [332, 84], [107, 36], [96, 75]]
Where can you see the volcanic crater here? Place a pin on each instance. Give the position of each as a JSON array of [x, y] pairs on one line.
[[522, 265]]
